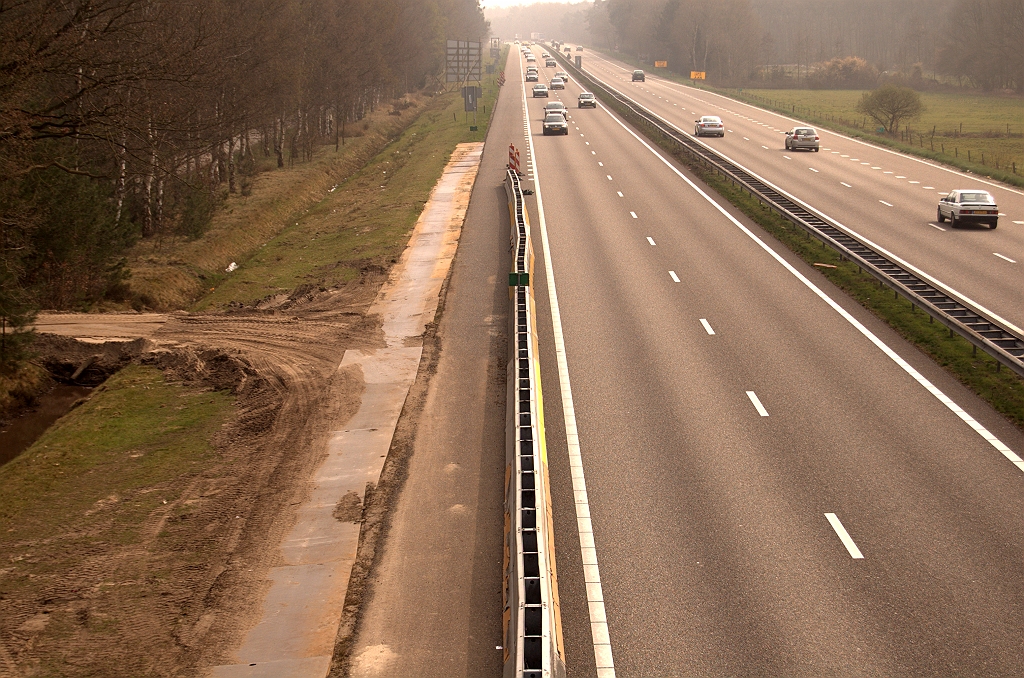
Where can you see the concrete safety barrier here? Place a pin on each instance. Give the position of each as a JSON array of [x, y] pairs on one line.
[[531, 617]]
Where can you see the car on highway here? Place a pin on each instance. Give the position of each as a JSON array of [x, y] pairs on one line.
[[532, 76], [540, 90], [968, 206], [556, 107], [563, 75], [545, 55], [579, 48], [638, 76], [554, 123], [530, 57], [568, 49], [551, 63], [557, 83], [586, 99], [709, 124], [802, 137]]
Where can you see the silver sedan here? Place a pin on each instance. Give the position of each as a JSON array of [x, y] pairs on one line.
[[709, 124], [802, 137]]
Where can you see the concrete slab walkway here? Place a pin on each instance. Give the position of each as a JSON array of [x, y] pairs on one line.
[[303, 608]]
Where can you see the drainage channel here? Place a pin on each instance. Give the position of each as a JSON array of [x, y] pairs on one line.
[[982, 331]]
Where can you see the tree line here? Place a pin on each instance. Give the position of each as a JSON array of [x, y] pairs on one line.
[[814, 43], [125, 119]]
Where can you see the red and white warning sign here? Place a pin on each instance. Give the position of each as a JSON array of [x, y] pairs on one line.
[[513, 159]]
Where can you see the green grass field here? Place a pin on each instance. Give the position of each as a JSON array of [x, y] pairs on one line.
[[980, 132]]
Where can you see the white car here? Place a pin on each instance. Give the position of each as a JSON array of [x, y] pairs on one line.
[[709, 124], [968, 206], [557, 83]]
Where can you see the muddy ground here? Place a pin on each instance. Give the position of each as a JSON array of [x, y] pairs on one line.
[[217, 536]]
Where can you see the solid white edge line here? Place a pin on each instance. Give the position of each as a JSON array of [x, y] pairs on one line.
[[881, 345], [840, 135], [946, 288], [757, 403], [591, 573], [707, 326], [844, 536]]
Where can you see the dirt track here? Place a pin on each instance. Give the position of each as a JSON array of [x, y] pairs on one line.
[[283, 366]]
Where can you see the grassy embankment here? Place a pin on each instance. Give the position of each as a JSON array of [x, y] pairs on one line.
[[103, 471], [294, 230], [1001, 388]]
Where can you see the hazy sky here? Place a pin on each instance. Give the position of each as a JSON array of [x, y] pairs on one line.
[[493, 4]]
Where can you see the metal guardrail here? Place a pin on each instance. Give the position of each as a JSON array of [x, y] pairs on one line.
[[977, 327], [531, 617]]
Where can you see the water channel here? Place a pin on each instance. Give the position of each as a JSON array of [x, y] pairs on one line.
[[18, 434]]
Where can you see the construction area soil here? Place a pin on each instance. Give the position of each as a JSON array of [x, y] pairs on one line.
[[177, 599]]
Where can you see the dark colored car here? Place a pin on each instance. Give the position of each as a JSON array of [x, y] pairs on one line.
[[972, 206], [554, 123], [638, 76]]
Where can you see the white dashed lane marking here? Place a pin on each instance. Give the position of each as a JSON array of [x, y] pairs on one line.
[[707, 326], [633, 214], [844, 536], [675, 278], [887, 204], [757, 403], [846, 184], [1004, 258], [651, 240]]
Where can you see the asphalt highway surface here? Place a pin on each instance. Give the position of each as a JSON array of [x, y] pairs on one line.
[[888, 197], [776, 483]]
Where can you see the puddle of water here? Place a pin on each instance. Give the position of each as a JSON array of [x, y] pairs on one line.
[[16, 437]]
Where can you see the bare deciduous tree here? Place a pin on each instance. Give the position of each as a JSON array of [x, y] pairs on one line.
[[890, 106]]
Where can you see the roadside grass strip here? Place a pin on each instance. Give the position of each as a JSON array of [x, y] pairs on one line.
[[85, 504]]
